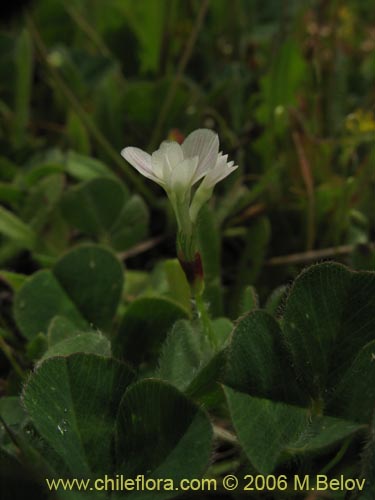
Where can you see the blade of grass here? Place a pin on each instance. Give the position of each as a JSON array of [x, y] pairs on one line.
[[186, 55], [87, 29], [24, 72], [309, 186]]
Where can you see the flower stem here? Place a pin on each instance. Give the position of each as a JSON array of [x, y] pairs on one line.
[[204, 318], [191, 263]]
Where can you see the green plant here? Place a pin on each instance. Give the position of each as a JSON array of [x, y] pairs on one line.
[[237, 357]]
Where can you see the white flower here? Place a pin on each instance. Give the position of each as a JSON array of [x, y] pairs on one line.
[[178, 167]]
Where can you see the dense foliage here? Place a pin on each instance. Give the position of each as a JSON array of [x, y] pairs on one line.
[[105, 362]]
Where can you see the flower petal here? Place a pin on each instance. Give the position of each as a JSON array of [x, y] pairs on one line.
[[203, 143], [140, 160], [204, 191], [173, 153], [182, 175], [157, 164], [217, 174], [220, 159]]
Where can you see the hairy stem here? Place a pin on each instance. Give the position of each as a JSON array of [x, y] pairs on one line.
[[204, 318]]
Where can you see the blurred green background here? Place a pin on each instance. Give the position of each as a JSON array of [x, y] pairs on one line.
[[287, 84]]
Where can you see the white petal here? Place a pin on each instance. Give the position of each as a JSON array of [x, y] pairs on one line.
[[217, 174], [165, 159], [204, 191], [221, 161], [172, 152], [140, 160], [182, 175], [157, 163], [203, 143]]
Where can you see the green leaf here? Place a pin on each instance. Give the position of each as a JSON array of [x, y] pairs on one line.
[[329, 317], [188, 361], [84, 286], [144, 327], [136, 284], [204, 387], [33, 176], [268, 430], [146, 20], [36, 347], [76, 420], [61, 328], [38, 300], [257, 361], [94, 205], [131, 227], [178, 287], [14, 280], [93, 277], [184, 353], [101, 207], [39, 215], [276, 300], [171, 441], [87, 342], [249, 300], [355, 393], [84, 168], [14, 228], [11, 411], [221, 327]]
